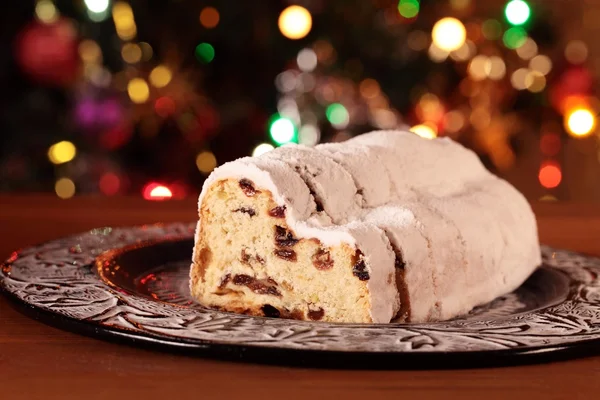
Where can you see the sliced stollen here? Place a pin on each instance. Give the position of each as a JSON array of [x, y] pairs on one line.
[[384, 227]]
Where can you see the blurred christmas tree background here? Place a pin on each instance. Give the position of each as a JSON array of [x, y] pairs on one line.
[[146, 98]]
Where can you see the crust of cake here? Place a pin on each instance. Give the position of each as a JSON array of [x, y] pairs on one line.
[[248, 260]]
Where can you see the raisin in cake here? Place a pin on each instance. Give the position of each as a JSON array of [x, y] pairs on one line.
[[384, 227]]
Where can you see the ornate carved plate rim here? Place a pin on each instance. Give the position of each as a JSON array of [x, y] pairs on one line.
[[58, 277]]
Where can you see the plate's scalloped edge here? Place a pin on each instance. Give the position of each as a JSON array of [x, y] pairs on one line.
[[57, 280]]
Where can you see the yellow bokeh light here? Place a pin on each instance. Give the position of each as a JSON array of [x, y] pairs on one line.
[[124, 21], [495, 68], [131, 53], [518, 78], [541, 64], [478, 67], [535, 82], [206, 162], [295, 22], [209, 17], [465, 51], [138, 90], [62, 152], [436, 54], [580, 122], [424, 130], [449, 34], [64, 188], [46, 12], [160, 76], [90, 52]]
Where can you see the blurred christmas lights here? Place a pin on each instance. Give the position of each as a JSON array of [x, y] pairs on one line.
[[46, 12], [307, 60], [131, 53], [528, 50], [282, 130], [337, 115], [517, 12], [262, 149], [209, 17], [156, 191], [426, 131], [295, 22], [309, 135], [64, 188], [550, 174], [97, 9], [205, 52], [580, 122], [206, 162], [576, 52], [408, 8], [160, 76], [61, 152], [109, 184], [124, 22], [514, 37], [138, 90], [541, 64], [449, 34]]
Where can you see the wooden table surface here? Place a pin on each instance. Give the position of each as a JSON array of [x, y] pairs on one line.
[[39, 361]]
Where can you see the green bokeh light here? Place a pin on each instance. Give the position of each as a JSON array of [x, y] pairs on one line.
[[517, 12], [282, 130], [205, 53], [408, 8], [514, 37], [337, 114]]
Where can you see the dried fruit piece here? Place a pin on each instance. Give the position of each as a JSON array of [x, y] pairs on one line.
[[284, 238], [246, 210], [242, 279], [248, 187], [360, 268], [258, 286], [288, 255], [316, 315], [322, 260], [270, 311], [277, 212], [224, 281]]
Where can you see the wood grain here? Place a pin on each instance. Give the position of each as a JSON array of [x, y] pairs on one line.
[[38, 361]]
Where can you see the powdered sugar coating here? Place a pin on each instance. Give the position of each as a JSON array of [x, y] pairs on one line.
[[465, 236]]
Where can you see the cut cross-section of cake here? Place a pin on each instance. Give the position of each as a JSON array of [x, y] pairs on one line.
[[384, 227]]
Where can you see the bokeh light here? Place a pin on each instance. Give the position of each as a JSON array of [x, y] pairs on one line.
[[124, 22], [459, 4], [205, 53], [408, 8], [164, 106], [495, 68], [541, 64], [436, 54], [160, 76], [309, 135], [262, 149], [535, 82], [550, 175], [580, 122], [528, 50], [206, 162], [156, 191], [46, 12], [426, 131], [517, 12], [64, 188], [518, 78], [295, 22], [550, 144], [62, 152], [514, 37], [147, 51], [138, 90], [131, 53], [478, 67], [491, 29], [282, 130], [449, 34], [109, 184], [576, 52], [369, 88], [337, 115], [97, 6], [307, 60], [90, 52], [209, 17]]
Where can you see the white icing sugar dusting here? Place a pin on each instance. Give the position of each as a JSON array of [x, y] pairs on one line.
[[464, 235]]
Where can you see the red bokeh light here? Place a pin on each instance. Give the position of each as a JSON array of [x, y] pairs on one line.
[[164, 106], [550, 175], [110, 184], [156, 191]]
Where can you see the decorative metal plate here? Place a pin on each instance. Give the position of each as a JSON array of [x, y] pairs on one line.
[[131, 284]]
